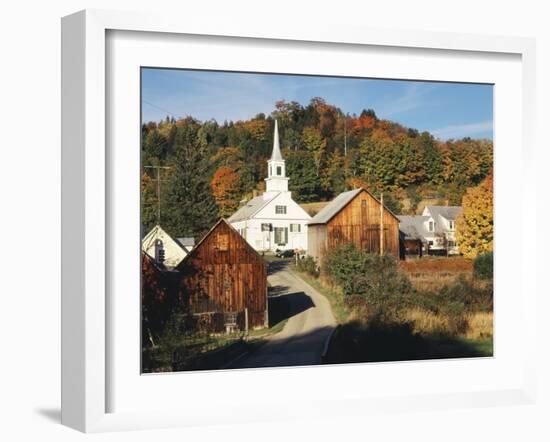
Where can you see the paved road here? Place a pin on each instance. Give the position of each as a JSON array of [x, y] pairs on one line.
[[303, 337]]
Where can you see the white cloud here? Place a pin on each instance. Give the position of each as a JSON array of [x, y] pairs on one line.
[[462, 130], [414, 96]]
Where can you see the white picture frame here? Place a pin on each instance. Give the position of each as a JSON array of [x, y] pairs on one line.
[[86, 216]]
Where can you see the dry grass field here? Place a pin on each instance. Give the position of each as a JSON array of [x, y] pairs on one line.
[[313, 208], [430, 273]]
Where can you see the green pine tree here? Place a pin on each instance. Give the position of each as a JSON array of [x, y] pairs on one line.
[[189, 208]]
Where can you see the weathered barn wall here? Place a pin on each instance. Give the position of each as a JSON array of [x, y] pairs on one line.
[[357, 222], [224, 274]]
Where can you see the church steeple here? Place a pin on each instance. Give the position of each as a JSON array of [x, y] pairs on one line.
[[276, 180], [276, 154]]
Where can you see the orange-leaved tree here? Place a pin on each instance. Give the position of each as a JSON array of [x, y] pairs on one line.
[[474, 227], [226, 187]]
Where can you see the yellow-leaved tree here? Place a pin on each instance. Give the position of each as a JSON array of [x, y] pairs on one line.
[[474, 227]]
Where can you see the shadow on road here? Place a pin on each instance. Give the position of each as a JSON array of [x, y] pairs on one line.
[[298, 350], [277, 266], [286, 305], [277, 290]]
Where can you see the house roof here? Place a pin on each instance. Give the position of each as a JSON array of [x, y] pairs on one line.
[[186, 241], [413, 227], [331, 209], [251, 208], [153, 233], [448, 212]]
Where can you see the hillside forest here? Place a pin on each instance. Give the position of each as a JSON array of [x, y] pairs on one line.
[[204, 170]]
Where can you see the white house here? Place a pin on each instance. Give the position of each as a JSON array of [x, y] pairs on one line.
[[435, 228], [273, 220], [163, 248]]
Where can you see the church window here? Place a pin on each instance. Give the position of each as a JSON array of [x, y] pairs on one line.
[[280, 210], [279, 170]]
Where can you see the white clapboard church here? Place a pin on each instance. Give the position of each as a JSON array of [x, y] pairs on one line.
[[273, 220]]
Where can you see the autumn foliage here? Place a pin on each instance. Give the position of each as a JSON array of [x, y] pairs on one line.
[[327, 151], [226, 186], [475, 225]]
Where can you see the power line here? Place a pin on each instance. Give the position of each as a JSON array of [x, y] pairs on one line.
[[162, 109], [158, 168]]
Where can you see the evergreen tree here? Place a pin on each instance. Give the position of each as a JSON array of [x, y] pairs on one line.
[[303, 180], [189, 206], [433, 165]]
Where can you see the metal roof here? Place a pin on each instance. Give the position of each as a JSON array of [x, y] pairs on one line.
[[413, 227], [187, 241], [251, 208], [447, 212], [331, 209]]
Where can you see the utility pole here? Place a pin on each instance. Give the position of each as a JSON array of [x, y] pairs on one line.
[[381, 223], [345, 136], [158, 168]]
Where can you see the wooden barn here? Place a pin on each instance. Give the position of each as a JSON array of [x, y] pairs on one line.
[[358, 217], [224, 282]]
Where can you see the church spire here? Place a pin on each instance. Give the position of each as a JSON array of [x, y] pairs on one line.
[[276, 180], [276, 154]]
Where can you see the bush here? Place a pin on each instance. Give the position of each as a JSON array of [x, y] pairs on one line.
[[372, 277], [483, 266], [309, 266]]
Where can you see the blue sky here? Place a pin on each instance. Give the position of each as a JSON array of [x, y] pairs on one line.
[[447, 110]]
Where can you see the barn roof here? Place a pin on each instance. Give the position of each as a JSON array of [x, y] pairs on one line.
[[251, 208], [220, 221], [331, 209]]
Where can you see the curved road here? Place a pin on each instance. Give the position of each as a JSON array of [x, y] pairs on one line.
[[302, 340]]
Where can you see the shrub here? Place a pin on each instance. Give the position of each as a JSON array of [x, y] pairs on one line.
[[372, 277], [467, 296], [483, 266], [309, 266]]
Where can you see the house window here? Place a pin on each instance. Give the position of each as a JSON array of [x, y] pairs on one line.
[[159, 251], [363, 203], [267, 227], [451, 244], [222, 242], [431, 226], [280, 210], [452, 225], [295, 228], [281, 235], [279, 170]]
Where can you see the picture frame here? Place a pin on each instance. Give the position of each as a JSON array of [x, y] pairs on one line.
[[87, 214]]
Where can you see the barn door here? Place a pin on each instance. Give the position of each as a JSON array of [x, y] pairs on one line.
[[364, 226], [227, 288]]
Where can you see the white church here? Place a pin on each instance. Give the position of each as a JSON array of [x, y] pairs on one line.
[[273, 220]]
